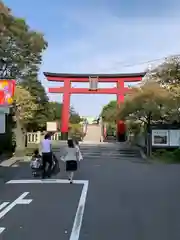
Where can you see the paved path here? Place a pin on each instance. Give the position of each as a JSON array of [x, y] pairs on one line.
[[124, 198]]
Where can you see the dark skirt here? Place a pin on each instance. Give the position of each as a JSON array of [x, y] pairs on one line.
[[71, 166]]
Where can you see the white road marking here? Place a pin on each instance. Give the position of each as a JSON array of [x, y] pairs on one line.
[[79, 214], [32, 181], [19, 200], [2, 229], [75, 233], [4, 204]]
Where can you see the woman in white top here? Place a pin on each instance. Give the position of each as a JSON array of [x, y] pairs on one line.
[[71, 157]]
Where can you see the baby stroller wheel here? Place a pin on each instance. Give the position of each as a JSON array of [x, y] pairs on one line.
[[34, 174]]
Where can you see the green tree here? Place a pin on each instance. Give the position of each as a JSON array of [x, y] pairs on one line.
[[148, 103], [74, 116], [25, 109], [167, 75], [36, 89], [20, 47], [109, 112], [20, 57], [55, 111], [26, 105]]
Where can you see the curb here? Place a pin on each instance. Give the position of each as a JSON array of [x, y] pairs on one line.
[[13, 160], [143, 155]]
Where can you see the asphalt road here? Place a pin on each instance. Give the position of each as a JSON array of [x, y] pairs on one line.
[[117, 196]]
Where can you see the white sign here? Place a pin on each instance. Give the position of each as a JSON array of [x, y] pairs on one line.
[[2, 123], [4, 109], [160, 137], [174, 137], [51, 126]]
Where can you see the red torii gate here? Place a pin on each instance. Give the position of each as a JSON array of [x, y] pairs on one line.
[[67, 90]]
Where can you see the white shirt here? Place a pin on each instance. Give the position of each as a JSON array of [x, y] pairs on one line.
[[46, 146], [70, 154]]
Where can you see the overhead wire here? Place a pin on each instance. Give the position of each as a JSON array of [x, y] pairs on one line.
[[119, 63]]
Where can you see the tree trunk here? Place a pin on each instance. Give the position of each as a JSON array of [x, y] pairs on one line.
[[20, 140], [149, 145]]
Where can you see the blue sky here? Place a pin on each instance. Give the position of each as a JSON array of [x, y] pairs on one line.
[[101, 36]]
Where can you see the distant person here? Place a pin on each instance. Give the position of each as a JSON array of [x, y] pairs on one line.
[[47, 157], [71, 158]]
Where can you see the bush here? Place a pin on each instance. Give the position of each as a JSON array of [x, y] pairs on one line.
[[167, 156], [75, 131], [134, 127], [176, 155], [111, 130]]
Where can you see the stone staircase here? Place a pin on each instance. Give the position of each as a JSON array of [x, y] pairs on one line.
[[93, 133]]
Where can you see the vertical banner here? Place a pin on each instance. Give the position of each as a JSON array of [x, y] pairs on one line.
[[121, 127], [7, 88]]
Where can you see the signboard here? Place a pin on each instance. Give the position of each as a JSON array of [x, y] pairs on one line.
[[51, 126], [4, 109], [160, 137], [93, 83], [2, 123], [7, 88], [174, 137]]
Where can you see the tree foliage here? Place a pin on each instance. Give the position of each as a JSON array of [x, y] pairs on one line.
[[149, 102], [55, 111], [26, 105], [157, 99], [34, 86], [167, 74], [109, 112], [20, 47], [74, 116], [20, 57]]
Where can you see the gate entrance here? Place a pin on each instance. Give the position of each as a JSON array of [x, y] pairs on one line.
[[120, 90]]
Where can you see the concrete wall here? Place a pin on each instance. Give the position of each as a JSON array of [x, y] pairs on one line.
[[140, 140]]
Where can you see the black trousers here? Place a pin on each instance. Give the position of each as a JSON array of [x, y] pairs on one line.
[[46, 159]]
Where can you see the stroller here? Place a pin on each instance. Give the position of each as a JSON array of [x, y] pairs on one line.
[[36, 164]]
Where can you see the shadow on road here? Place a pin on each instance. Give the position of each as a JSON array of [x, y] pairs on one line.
[[20, 170]]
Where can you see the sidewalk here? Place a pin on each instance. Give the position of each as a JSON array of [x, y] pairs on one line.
[[8, 162]]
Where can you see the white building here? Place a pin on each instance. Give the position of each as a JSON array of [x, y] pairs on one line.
[[3, 112]]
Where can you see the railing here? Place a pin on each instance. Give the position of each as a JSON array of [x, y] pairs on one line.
[[33, 137], [36, 137], [56, 136]]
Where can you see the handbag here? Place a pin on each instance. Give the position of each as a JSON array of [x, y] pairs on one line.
[[80, 156], [56, 168]]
